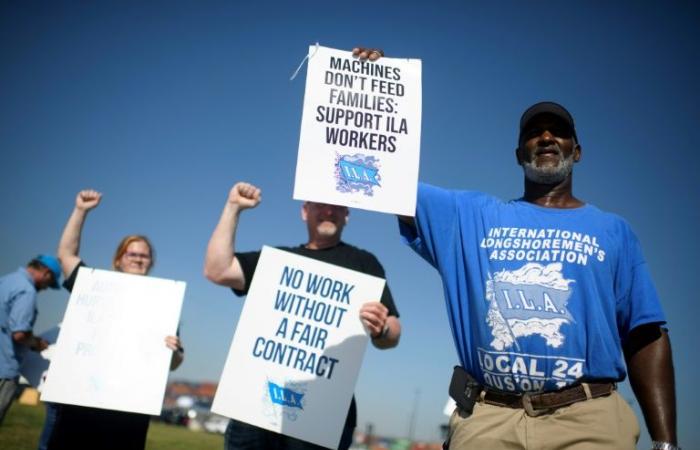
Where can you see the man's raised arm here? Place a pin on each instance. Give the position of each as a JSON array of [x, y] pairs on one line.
[[221, 265], [374, 54]]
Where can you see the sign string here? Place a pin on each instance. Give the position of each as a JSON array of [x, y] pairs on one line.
[[301, 64]]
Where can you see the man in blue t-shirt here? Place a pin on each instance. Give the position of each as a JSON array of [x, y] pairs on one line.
[[17, 316], [550, 304]]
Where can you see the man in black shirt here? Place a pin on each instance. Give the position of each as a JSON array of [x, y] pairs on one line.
[[325, 224]]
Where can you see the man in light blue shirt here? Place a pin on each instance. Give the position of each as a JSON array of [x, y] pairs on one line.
[[17, 316]]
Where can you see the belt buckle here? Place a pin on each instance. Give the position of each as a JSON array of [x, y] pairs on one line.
[[529, 410]]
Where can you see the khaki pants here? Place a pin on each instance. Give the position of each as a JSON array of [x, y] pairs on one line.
[[601, 423]]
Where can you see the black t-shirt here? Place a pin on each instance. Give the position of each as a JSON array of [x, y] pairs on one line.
[[70, 280], [343, 255]]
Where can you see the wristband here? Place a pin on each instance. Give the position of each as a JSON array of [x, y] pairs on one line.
[[658, 445], [383, 334]]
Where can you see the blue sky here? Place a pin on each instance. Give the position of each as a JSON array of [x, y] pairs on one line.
[[162, 106]]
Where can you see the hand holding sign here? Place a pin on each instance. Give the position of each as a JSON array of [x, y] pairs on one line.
[[173, 343], [374, 316], [39, 344], [363, 53]]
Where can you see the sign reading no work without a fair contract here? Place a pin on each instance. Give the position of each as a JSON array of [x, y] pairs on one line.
[[360, 132], [298, 347], [111, 351]]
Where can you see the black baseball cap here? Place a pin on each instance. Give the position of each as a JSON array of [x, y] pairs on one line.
[[550, 108]]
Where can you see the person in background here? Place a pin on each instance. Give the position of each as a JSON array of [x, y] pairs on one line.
[[18, 313]]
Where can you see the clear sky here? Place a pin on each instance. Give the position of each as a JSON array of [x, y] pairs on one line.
[[163, 105]]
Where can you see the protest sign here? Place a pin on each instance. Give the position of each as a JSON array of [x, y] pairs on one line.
[[35, 365], [360, 132], [298, 347], [111, 350]]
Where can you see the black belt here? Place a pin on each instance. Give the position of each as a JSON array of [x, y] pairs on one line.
[[466, 391], [536, 404]]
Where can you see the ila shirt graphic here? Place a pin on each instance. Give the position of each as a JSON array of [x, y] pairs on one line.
[[528, 301]]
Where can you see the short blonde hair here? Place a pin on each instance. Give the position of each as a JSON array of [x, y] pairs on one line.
[[121, 249]]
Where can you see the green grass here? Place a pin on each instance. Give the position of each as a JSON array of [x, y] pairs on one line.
[[170, 437], [22, 427]]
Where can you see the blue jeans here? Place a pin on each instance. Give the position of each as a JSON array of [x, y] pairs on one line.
[[52, 411]]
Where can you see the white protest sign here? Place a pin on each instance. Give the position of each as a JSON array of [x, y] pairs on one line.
[[360, 132], [34, 365], [298, 347], [111, 350]]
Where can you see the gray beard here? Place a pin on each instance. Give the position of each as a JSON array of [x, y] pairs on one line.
[[549, 175]]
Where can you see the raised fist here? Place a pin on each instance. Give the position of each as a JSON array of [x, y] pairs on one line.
[[244, 195], [87, 199]]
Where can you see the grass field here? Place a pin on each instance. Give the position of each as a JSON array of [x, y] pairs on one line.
[[22, 427]]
